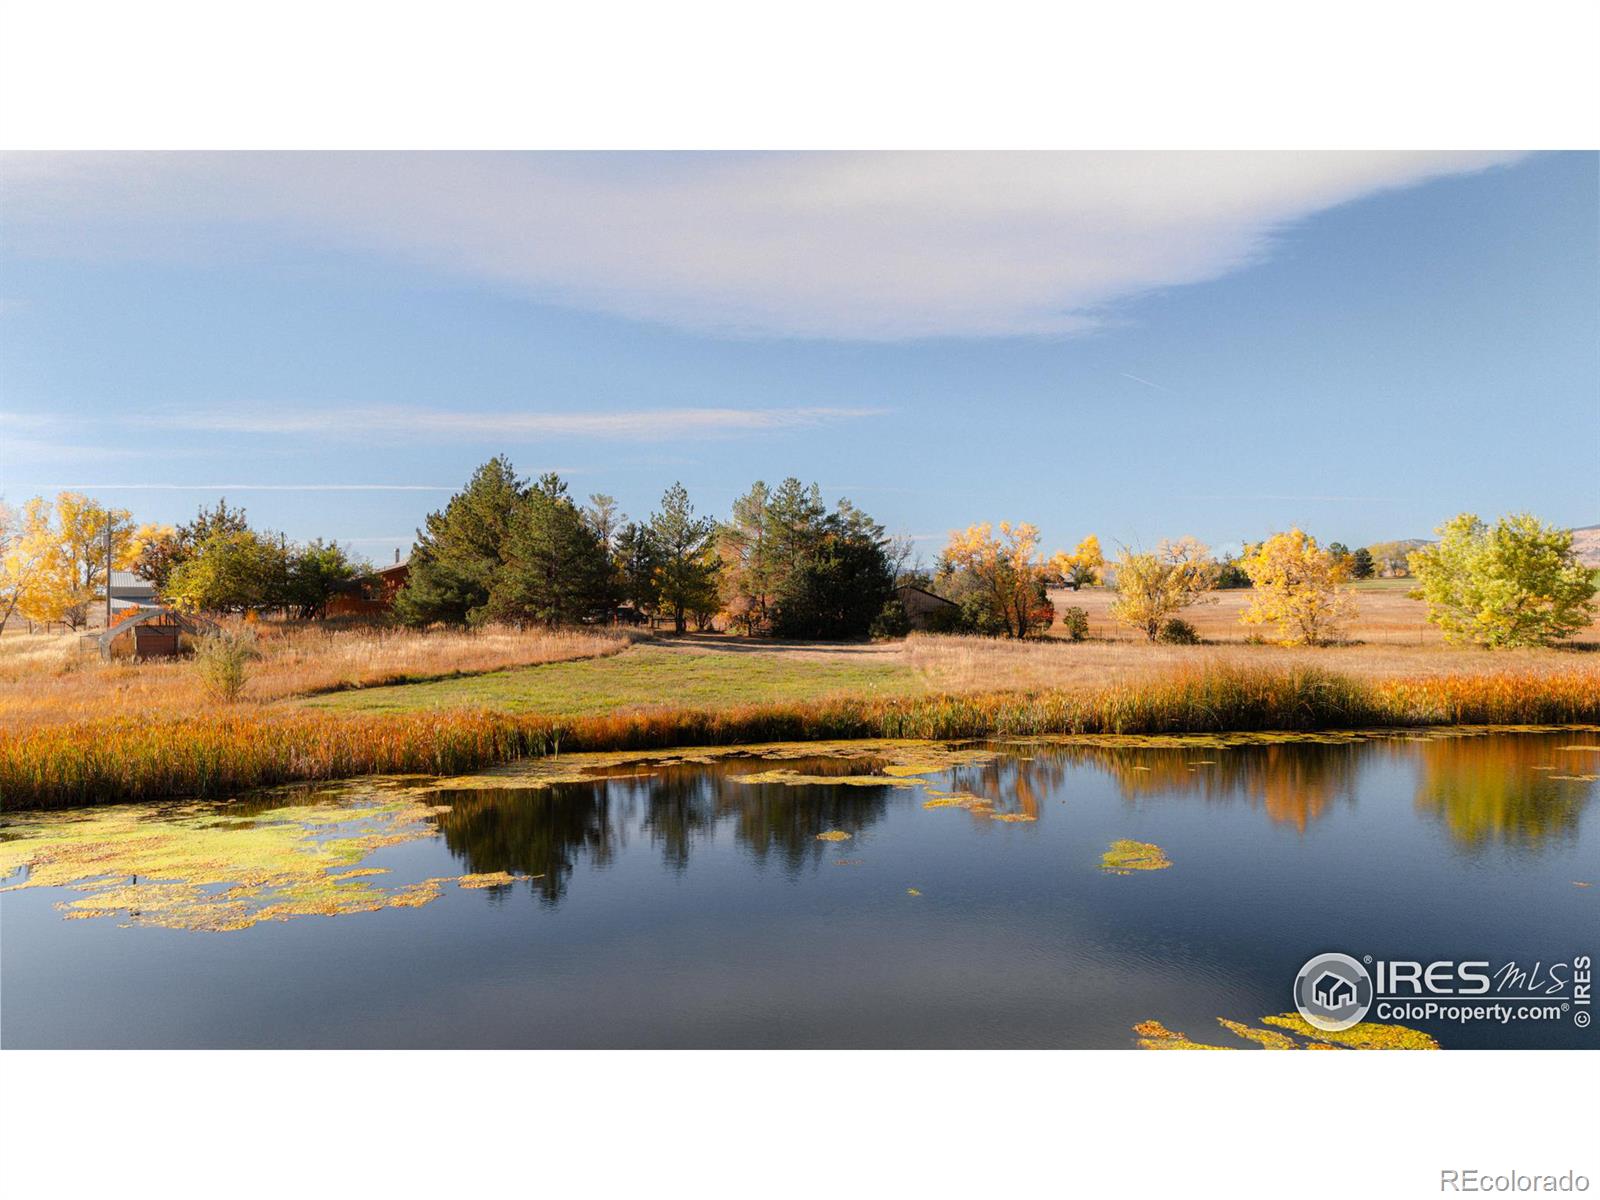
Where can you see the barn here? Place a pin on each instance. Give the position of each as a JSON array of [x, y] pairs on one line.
[[924, 609]]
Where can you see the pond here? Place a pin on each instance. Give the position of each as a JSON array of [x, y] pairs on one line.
[[1056, 893]]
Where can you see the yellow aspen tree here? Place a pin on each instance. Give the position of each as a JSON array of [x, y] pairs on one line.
[[23, 548], [1299, 587], [1153, 587]]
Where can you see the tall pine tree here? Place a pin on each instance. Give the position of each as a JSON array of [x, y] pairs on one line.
[[686, 570], [460, 550]]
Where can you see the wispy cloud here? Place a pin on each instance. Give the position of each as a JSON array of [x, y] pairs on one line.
[[1147, 383], [861, 246], [641, 424], [45, 450], [1268, 496]]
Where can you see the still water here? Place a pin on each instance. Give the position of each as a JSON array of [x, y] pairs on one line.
[[848, 895]]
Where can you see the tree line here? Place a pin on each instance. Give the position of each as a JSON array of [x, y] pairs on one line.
[[507, 549], [55, 557]]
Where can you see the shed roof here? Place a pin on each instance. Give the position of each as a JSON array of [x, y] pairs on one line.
[[934, 596], [189, 623]]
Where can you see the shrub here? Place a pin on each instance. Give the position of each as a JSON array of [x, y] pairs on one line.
[[891, 621], [1074, 623], [948, 620], [221, 659], [1178, 632]]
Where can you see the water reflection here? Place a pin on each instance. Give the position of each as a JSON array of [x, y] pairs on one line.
[[1517, 791], [540, 832], [547, 832], [1485, 790], [1294, 783]]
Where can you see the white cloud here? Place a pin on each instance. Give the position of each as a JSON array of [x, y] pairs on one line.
[[876, 246], [644, 424]]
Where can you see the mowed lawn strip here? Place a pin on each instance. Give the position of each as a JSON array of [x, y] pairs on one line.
[[645, 677]]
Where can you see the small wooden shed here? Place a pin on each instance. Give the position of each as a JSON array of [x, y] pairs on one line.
[[150, 633]]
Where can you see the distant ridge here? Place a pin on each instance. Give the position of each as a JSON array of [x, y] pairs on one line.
[[1586, 541]]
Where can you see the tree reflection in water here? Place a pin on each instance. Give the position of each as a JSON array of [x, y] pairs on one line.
[[1294, 783], [1484, 789], [1505, 790], [546, 832], [531, 831]]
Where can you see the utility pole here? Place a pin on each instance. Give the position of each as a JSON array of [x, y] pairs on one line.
[[108, 572]]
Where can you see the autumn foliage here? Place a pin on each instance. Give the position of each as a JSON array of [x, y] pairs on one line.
[[1299, 587]]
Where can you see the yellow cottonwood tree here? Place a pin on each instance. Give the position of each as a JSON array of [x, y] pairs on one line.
[[1001, 575], [70, 539], [1153, 587], [1082, 567], [1299, 587], [22, 555]]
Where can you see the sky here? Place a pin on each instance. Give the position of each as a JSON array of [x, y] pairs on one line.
[[1133, 345]]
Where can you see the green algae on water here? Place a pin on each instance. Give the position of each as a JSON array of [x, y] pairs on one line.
[[1125, 856], [1153, 1035], [223, 868]]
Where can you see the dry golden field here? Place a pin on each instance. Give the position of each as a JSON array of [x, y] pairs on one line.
[[1386, 616], [331, 702], [53, 678]]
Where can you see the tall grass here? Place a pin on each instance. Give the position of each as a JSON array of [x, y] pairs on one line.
[[47, 680], [216, 754]]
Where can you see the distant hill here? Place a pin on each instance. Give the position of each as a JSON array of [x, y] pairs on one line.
[[1586, 541]]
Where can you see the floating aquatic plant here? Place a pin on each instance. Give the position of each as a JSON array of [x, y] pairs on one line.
[[491, 879], [1127, 856], [1368, 1035], [205, 867], [1153, 1035]]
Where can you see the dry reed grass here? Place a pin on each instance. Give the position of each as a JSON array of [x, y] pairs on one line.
[[222, 753]]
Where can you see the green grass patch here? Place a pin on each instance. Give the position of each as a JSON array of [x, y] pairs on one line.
[[642, 678]]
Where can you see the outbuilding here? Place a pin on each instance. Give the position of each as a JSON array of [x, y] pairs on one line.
[[150, 632], [924, 609]]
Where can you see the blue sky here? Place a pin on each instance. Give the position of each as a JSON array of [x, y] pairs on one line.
[[1138, 346]]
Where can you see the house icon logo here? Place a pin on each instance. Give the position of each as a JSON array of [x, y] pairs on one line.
[[1333, 992]]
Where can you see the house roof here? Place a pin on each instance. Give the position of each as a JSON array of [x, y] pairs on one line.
[[127, 581], [911, 587]]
